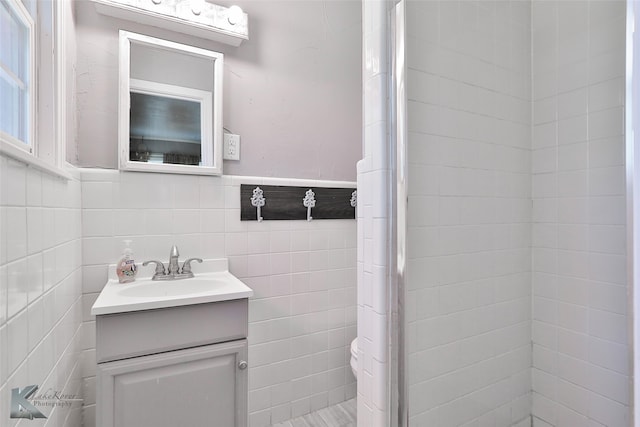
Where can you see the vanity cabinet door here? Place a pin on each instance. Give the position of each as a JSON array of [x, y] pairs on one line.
[[202, 386]]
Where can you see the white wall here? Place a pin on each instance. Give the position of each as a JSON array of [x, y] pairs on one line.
[[468, 240], [292, 91], [580, 349], [40, 288], [302, 316]]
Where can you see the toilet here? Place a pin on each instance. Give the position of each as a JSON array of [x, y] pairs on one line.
[[354, 357]]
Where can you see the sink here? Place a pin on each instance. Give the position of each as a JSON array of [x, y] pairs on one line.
[[212, 283], [147, 288]]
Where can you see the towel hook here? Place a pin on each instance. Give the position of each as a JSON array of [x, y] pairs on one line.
[[258, 201], [309, 202]]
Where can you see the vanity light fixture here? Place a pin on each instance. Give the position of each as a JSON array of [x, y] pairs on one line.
[[196, 6], [200, 18]]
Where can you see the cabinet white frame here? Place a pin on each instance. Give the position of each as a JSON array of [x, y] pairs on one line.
[[108, 373], [211, 125]]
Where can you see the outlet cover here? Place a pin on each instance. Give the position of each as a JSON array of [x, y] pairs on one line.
[[231, 147]]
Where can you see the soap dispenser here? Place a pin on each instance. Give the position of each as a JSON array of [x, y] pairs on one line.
[[126, 269]]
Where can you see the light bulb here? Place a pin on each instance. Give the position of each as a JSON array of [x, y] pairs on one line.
[[234, 14], [196, 6]]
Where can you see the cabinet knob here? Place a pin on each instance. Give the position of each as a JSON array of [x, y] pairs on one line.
[[243, 364]]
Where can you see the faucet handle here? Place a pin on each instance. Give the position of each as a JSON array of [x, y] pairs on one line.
[[186, 267], [160, 271]]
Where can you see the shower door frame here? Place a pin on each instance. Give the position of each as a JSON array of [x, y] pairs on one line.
[[398, 405], [632, 160]]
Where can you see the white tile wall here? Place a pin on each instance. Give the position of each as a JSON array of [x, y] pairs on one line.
[[373, 213], [580, 349], [469, 210], [302, 317], [40, 288]]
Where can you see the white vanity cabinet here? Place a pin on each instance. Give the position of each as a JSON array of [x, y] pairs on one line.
[[175, 366]]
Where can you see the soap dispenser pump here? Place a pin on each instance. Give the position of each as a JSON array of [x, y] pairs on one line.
[[126, 269]]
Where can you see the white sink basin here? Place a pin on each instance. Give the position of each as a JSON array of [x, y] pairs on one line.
[[149, 289], [212, 283]]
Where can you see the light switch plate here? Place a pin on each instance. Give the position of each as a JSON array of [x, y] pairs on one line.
[[231, 147]]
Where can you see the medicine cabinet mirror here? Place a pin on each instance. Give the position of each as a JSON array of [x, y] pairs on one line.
[[170, 117]]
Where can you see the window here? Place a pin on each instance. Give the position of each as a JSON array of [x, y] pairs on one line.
[[35, 99], [17, 75]]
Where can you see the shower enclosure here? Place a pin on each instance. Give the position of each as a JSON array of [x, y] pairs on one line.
[[502, 300]]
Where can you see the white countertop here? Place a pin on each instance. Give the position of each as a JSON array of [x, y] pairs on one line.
[[212, 283]]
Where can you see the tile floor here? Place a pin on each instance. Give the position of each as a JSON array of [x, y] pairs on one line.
[[340, 415]]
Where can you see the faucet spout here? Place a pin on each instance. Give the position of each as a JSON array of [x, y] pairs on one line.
[[173, 261]]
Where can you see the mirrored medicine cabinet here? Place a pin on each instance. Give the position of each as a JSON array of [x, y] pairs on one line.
[[170, 113]]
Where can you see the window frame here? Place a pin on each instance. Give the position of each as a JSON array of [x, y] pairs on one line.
[[47, 148], [30, 146]]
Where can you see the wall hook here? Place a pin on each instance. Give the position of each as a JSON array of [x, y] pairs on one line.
[[354, 199], [309, 202], [258, 201]]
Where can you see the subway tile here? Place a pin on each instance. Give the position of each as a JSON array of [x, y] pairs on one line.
[[606, 152], [16, 232], [574, 103], [185, 191], [211, 192], [573, 129], [608, 384], [606, 94], [607, 297], [607, 65], [608, 326], [280, 241], [142, 190], [607, 181], [606, 123], [573, 156], [608, 355], [99, 250], [258, 242], [35, 278], [15, 174], [122, 222], [606, 411], [544, 160], [36, 330], [34, 187], [17, 287], [18, 336], [156, 221], [100, 222], [35, 230], [185, 221], [97, 195], [607, 268], [573, 75]]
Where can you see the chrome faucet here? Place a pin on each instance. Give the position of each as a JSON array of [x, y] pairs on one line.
[[174, 272], [174, 267]]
